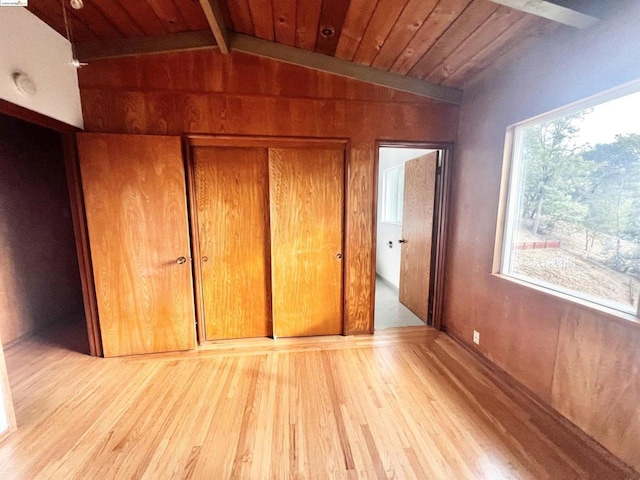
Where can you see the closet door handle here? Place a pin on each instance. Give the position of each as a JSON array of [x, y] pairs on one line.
[[181, 260], [338, 256], [402, 240]]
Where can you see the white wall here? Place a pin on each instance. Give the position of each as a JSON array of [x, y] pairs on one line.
[[30, 45], [388, 259]]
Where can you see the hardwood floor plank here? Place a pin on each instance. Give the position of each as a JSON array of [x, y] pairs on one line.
[[406, 403]]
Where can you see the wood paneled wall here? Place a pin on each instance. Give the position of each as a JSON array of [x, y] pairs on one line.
[[207, 92], [584, 363], [39, 280]]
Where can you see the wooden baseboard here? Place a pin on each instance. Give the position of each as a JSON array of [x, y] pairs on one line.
[[507, 384]]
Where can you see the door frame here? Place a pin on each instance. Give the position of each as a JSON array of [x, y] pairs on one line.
[[440, 224], [254, 141], [72, 170]]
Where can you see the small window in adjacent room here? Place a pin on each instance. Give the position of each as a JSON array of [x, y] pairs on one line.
[[392, 194], [573, 209]]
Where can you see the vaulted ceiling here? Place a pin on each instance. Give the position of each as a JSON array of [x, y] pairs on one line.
[[444, 42]]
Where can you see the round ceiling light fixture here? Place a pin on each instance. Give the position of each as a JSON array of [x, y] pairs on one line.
[[23, 83]]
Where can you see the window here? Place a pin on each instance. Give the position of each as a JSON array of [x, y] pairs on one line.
[[573, 208], [392, 194]]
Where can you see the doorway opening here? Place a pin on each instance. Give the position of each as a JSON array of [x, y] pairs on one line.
[[41, 287], [409, 227]]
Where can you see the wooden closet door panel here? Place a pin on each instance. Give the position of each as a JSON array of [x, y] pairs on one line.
[[417, 231], [232, 207], [135, 198], [307, 204]]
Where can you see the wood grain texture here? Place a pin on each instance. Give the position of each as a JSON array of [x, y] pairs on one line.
[[78, 217], [170, 14], [443, 195], [232, 208], [506, 46], [498, 22], [51, 13], [417, 231], [470, 20], [241, 16], [390, 34], [332, 17], [145, 17], [410, 20], [262, 17], [355, 24], [245, 95], [334, 407], [307, 20], [307, 209], [439, 21], [135, 201], [116, 14], [108, 19], [382, 21], [284, 21]]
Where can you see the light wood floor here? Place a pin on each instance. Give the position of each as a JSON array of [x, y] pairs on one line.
[[406, 403]]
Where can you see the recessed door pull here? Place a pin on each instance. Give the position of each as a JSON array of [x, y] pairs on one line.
[[181, 260], [338, 256]]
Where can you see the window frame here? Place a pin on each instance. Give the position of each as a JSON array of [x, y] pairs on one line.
[[385, 186], [511, 186]]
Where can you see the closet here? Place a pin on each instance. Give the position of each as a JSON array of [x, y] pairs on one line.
[[248, 238], [269, 217]]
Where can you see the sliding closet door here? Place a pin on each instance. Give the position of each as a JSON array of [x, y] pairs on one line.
[[231, 196], [134, 193], [307, 203]]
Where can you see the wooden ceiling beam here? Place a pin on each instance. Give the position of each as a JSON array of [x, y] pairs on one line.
[[216, 23], [127, 47], [344, 68], [552, 10], [98, 50]]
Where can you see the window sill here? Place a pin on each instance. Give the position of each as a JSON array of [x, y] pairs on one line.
[[611, 312]]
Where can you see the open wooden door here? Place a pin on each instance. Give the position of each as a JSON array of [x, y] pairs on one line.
[[417, 232], [135, 198], [307, 205]]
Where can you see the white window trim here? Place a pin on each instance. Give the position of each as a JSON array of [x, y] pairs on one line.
[[509, 191]]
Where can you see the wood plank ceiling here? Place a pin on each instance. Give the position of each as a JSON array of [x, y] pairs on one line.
[[445, 42]]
